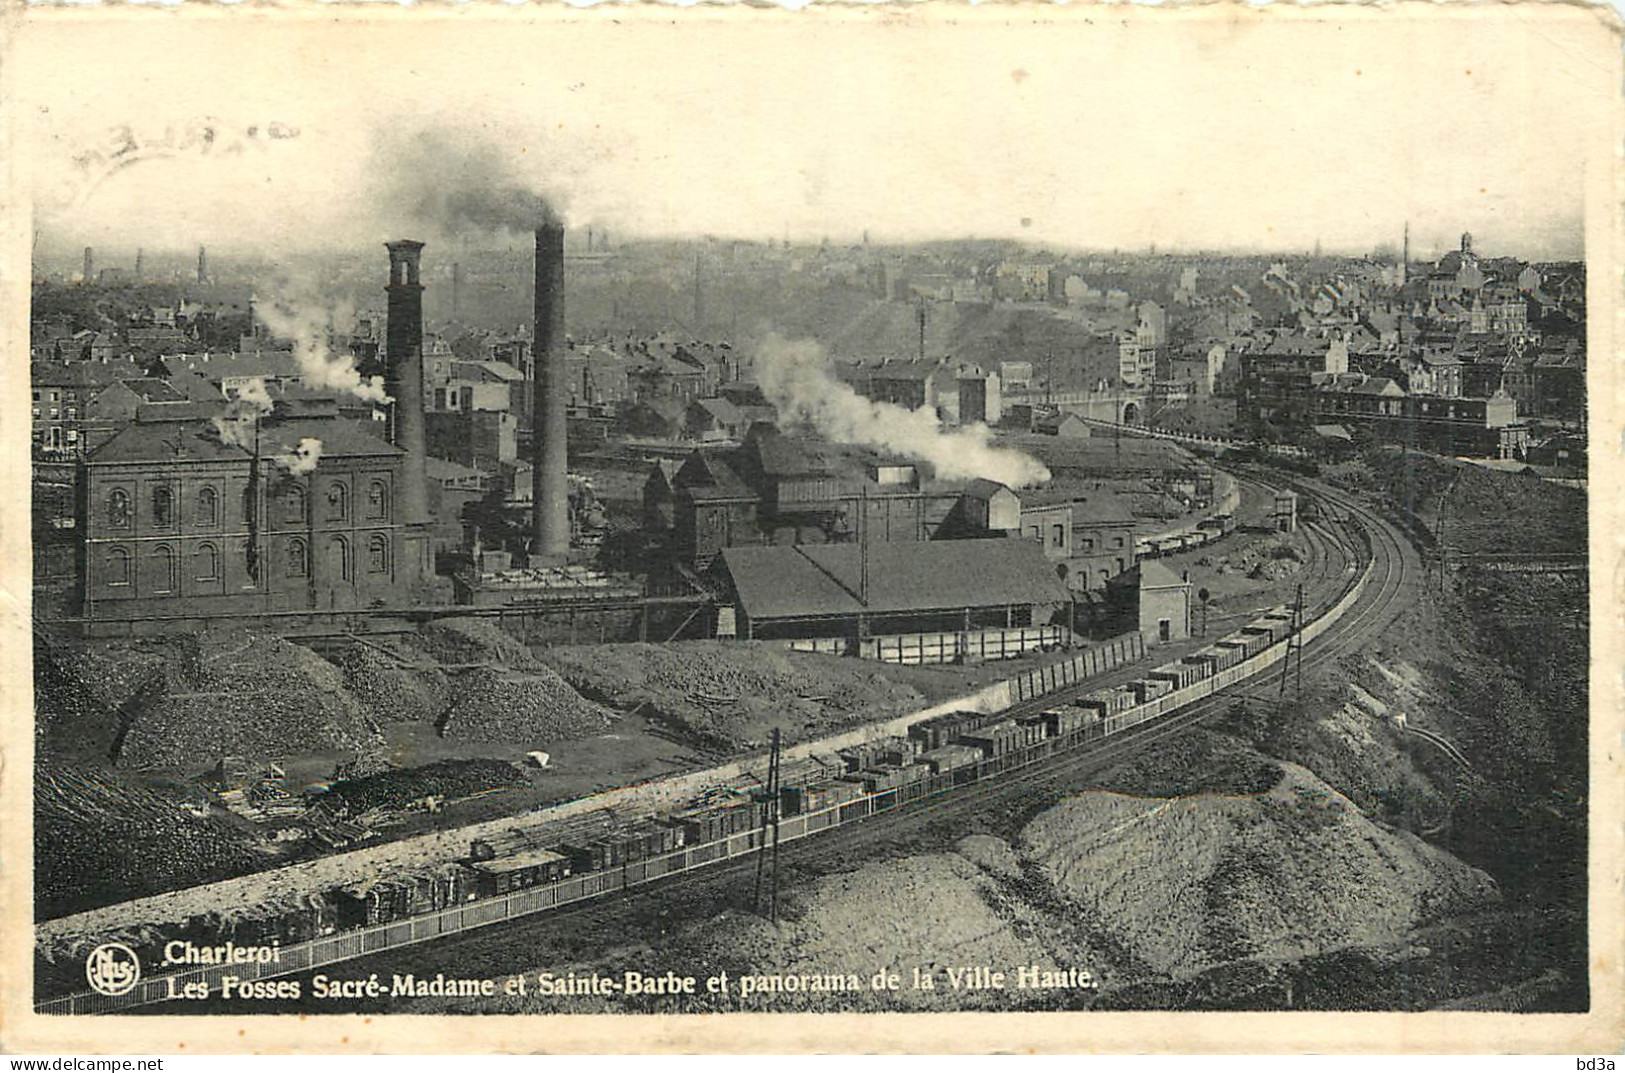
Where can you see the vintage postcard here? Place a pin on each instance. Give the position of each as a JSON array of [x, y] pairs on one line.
[[968, 528]]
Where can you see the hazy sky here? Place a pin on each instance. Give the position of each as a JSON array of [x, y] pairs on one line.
[[1187, 130]]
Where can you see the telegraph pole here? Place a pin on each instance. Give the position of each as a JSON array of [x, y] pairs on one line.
[[1294, 645], [768, 798]]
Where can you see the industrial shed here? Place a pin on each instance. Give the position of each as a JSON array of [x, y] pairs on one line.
[[836, 590]]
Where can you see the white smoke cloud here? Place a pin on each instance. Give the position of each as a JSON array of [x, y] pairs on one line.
[[307, 320], [795, 376], [236, 424], [302, 459]]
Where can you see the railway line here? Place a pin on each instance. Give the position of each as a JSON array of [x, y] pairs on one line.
[[579, 929]]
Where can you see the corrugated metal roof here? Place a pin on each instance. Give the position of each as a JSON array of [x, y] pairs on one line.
[[780, 582]]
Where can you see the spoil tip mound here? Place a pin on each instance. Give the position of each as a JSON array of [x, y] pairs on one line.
[[237, 693], [731, 694], [520, 707], [455, 641], [1189, 883], [99, 839], [397, 685]]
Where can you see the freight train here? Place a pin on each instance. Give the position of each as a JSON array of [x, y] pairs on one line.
[[524, 873], [1203, 533]]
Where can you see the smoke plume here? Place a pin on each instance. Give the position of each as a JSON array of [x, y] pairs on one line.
[[301, 459], [236, 425], [795, 376], [459, 182], [307, 320]]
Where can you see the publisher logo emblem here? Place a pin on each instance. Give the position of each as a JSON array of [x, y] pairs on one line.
[[112, 969]]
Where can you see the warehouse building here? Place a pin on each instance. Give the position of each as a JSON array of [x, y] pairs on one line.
[[850, 590]]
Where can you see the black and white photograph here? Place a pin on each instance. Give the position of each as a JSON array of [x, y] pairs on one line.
[[863, 512]]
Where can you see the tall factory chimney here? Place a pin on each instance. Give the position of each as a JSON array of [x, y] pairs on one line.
[[202, 265], [90, 265], [403, 375], [456, 289], [550, 543], [138, 252]]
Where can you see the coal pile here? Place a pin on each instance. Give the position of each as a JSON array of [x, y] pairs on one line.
[[397, 686], [730, 694], [448, 780], [237, 693], [85, 693], [520, 707], [472, 640], [160, 844]]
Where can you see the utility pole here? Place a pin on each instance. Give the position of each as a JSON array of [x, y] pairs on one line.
[[1294, 645], [919, 314], [768, 798]]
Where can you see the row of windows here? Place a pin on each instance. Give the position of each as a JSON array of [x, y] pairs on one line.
[[166, 564], [207, 505]]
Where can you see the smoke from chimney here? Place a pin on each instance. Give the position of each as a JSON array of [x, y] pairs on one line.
[[236, 425], [306, 320], [796, 378], [303, 458]]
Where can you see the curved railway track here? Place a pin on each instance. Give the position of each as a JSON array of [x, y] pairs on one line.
[[583, 929]]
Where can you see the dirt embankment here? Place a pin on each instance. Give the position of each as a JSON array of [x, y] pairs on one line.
[[1189, 883], [729, 695], [1470, 508]]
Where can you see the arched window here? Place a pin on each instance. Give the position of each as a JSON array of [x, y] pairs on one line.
[[338, 502], [338, 566], [298, 558], [118, 509], [248, 502], [163, 505], [118, 566], [293, 504], [207, 562], [378, 501], [378, 554], [208, 507], [165, 576]]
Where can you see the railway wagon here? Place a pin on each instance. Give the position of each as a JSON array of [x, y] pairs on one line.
[[941, 730], [1242, 644], [894, 751], [1106, 701], [1033, 729], [712, 824], [1146, 689], [1206, 660], [529, 868], [1219, 657], [950, 758], [1178, 674], [1268, 629], [994, 740], [1061, 721], [874, 780]]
